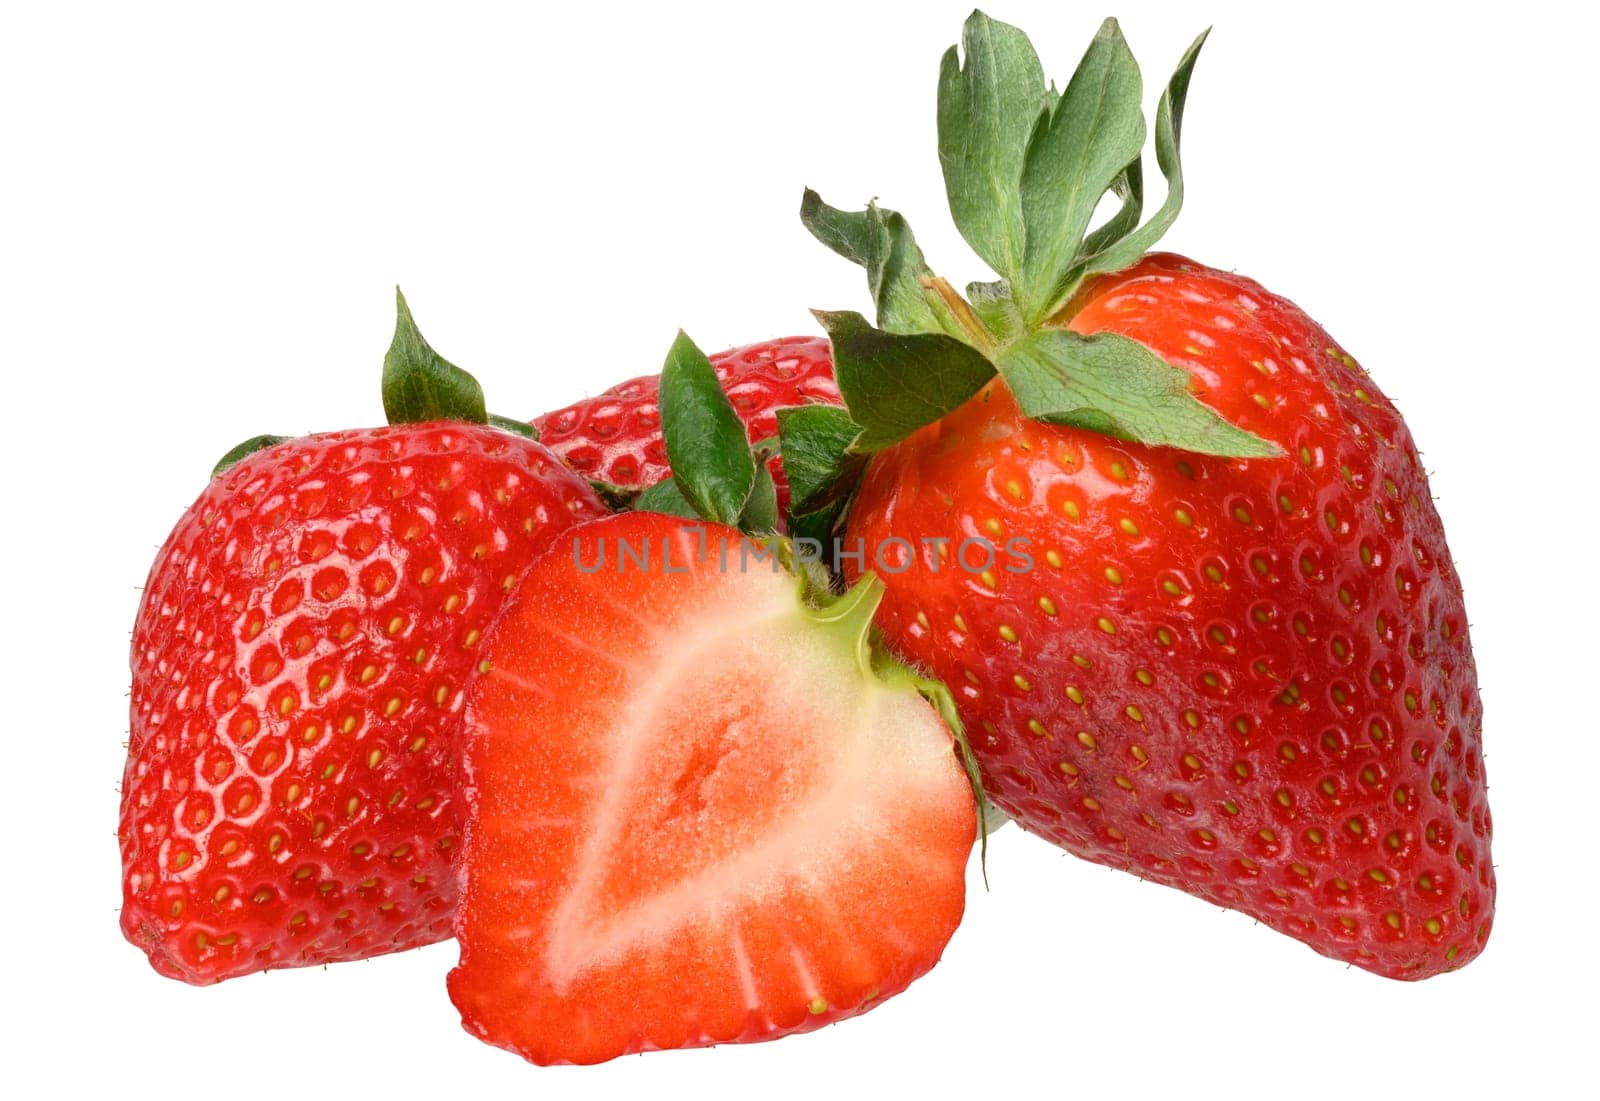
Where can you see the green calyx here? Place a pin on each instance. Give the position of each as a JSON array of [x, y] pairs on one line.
[[1026, 168], [419, 385], [249, 447], [717, 475]]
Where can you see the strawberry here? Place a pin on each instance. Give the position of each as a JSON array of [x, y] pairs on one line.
[[1169, 544], [299, 661], [615, 437], [698, 814], [704, 806]]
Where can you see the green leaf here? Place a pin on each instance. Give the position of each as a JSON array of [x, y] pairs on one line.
[[421, 385], [1107, 383], [665, 497], [987, 110], [821, 525], [815, 440], [881, 242], [996, 309], [511, 424], [760, 515], [1120, 249], [894, 384], [1075, 154], [706, 442], [249, 447], [1129, 187]]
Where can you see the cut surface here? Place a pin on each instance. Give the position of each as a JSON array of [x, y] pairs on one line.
[[695, 818]]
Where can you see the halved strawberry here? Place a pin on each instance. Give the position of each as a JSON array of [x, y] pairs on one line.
[[701, 810]]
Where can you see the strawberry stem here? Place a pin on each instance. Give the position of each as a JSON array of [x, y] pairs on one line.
[[969, 327], [848, 619]]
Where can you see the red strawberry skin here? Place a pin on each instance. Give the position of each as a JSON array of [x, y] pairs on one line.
[[695, 818], [1248, 680], [299, 661], [616, 436]]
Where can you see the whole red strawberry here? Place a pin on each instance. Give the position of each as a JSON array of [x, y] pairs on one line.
[[1170, 547], [299, 662], [615, 437]]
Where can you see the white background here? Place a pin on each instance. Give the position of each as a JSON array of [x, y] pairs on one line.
[[205, 210]]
